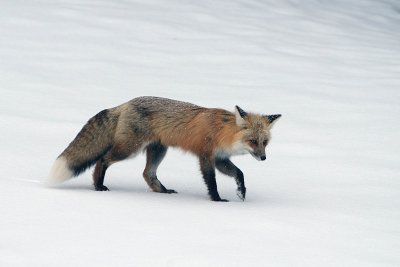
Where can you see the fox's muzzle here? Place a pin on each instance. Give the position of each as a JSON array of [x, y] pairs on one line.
[[259, 156]]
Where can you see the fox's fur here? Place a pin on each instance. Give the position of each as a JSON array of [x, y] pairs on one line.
[[154, 124]]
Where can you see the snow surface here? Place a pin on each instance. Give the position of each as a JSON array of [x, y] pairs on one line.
[[329, 192]]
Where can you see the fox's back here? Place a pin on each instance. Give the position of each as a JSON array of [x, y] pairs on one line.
[[177, 123]]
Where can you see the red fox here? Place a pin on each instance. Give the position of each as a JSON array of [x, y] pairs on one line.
[[153, 124]]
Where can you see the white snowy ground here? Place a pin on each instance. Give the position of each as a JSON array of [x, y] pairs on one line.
[[328, 194]]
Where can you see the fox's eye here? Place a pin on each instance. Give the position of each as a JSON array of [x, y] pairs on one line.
[[254, 142], [265, 142]]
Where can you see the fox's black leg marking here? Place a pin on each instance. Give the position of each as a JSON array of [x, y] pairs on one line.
[[208, 170], [117, 153], [155, 154], [98, 175], [227, 167]]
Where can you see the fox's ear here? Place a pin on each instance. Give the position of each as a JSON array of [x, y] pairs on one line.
[[272, 118], [240, 115]]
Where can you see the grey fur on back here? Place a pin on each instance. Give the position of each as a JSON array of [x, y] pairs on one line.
[[164, 105]]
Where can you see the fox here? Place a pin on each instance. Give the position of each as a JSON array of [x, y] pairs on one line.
[[152, 124]]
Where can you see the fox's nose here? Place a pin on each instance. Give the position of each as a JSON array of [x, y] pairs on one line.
[[263, 157]]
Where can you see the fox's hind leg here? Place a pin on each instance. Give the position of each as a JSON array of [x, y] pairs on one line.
[[155, 154], [98, 176], [118, 152]]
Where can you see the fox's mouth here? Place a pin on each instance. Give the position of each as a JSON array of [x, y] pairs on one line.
[[257, 157]]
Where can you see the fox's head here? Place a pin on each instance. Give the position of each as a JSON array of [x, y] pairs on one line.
[[255, 133]]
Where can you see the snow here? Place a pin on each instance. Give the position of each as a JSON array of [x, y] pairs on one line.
[[328, 193]]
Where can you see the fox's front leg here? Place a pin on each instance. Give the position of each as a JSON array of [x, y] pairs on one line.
[[207, 167], [227, 167]]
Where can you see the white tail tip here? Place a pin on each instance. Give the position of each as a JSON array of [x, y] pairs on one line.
[[59, 172]]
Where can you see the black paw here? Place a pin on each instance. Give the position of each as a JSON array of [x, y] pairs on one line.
[[220, 199], [170, 191], [101, 188]]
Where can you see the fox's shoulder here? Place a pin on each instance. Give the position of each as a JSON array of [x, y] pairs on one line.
[[220, 115]]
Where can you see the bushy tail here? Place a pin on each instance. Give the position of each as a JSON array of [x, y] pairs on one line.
[[92, 142]]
